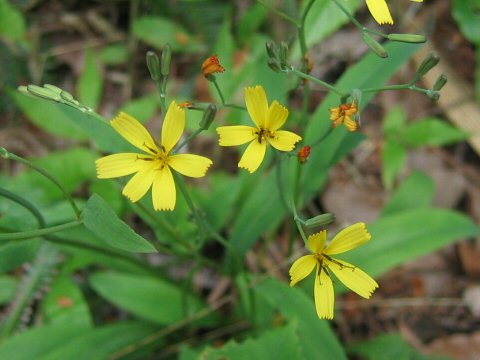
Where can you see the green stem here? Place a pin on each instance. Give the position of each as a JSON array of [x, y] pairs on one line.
[[8, 155], [222, 98], [39, 232], [350, 16], [298, 222], [278, 12], [186, 141], [161, 95], [26, 204], [316, 81], [396, 87]]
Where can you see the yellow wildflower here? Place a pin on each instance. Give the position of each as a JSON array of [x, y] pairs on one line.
[[343, 115], [152, 169], [380, 12], [267, 120], [354, 278]]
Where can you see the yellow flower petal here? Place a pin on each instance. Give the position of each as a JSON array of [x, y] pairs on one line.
[[324, 296], [253, 156], [284, 140], [276, 116], [301, 268], [164, 194], [257, 104], [117, 165], [316, 242], [173, 126], [190, 165], [134, 132], [349, 238], [353, 278], [139, 184], [350, 124], [235, 135], [379, 11]]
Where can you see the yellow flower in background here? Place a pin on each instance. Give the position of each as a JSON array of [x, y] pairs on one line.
[[343, 115], [380, 12], [267, 120], [153, 169], [321, 260]]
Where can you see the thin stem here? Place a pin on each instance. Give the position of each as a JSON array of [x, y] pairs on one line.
[[316, 81], [279, 13], [8, 155], [161, 95], [350, 16], [321, 138], [396, 87], [219, 92], [26, 204], [39, 232], [298, 222], [186, 141]]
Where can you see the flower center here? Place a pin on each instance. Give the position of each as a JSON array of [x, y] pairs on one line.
[[262, 135]]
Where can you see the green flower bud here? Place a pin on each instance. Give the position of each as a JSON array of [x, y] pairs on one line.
[[153, 65], [434, 95], [208, 116], [283, 54], [166, 59], [274, 65], [67, 97], [320, 220], [427, 64], [53, 88], [407, 38], [43, 93], [374, 45], [440, 83], [272, 49]]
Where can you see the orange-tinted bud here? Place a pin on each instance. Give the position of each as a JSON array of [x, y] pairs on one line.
[[303, 154], [186, 105], [211, 66]]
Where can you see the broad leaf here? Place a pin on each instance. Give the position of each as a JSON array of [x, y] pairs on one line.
[[90, 83]]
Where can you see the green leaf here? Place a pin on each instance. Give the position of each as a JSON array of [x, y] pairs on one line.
[[251, 21], [432, 132], [48, 116], [467, 15], [277, 344], [142, 108], [415, 192], [114, 54], [8, 288], [12, 23], [65, 304], [394, 122], [158, 32], [14, 254], [387, 346], [90, 83], [317, 339], [408, 235], [99, 218], [99, 343], [393, 160], [147, 297], [36, 343]]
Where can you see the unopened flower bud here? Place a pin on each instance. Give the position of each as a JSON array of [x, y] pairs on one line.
[[427, 64], [272, 49], [283, 54], [53, 88], [211, 66], [43, 93], [166, 59], [374, 45], [303, 154], [320, 220], [440, 82], [434, 95], [407, 38], [186, 105], [153, 65], [67, 96], [208, 116], [274, 65]]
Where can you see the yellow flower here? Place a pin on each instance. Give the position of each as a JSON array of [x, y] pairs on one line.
[[380, 12], [343, 115], [354, 278], [153, 169], [267, 120]]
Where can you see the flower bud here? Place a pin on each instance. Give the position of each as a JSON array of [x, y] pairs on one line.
[[407, 38], [153, 65], [43, 93], [166, 59], [67, 96], [283, 54], [320, 220], [427, 64], [440, 82], [208, 116], [303, 154], [274, 65], [272, 49], [211, 66], [434, 95], [53, 88], [374, 45]]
